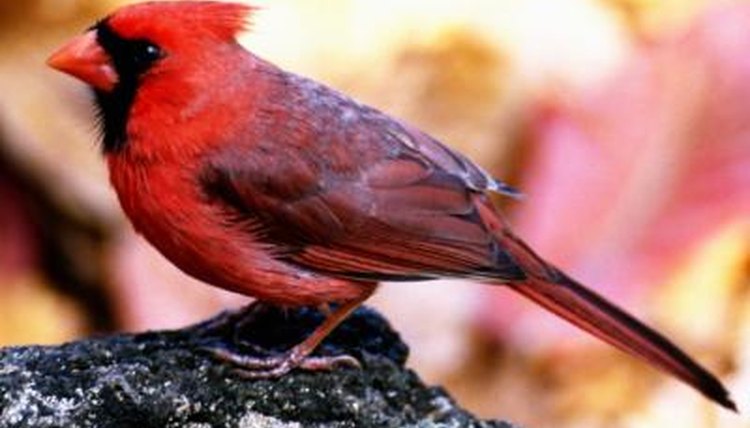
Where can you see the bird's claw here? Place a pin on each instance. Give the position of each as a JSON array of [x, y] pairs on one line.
[[329, 363], [251, 367]]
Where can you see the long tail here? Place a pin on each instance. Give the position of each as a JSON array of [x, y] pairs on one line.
[[552, 289]]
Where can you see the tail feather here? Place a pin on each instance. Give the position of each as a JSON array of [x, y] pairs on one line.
[[558, 293], [592, 313]]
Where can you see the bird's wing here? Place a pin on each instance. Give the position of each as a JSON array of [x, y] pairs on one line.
[[375, 200]]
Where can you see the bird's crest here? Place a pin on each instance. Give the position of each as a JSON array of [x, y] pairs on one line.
[[223, 20]]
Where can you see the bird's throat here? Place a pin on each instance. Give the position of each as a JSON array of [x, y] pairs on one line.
[[113, 111]]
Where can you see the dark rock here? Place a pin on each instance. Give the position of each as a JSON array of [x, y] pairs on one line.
[[166, 379]]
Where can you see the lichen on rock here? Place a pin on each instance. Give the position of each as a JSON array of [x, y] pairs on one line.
[[166, 379]]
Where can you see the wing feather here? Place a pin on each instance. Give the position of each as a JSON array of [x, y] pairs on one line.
[[374, 199]]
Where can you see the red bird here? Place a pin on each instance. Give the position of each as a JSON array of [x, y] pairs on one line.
[[271, 185]]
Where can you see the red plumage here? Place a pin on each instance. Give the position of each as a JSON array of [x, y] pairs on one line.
[[265, 183]]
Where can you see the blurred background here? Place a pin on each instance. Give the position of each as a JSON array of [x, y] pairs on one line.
[[626, 123]]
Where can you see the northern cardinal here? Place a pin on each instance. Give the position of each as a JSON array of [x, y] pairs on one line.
[[269, 184]]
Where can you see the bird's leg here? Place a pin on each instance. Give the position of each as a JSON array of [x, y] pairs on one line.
[[297, 357], [234, 322], [325, 308], [234, 317]]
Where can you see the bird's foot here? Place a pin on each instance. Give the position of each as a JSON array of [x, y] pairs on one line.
[[264, 364], [274, 366]]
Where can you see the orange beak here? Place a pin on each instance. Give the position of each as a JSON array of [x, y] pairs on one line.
[[85, 59]]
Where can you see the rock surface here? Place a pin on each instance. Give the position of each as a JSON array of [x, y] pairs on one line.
[[167, 379]]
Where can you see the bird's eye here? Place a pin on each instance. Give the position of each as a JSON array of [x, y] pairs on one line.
[[144, 53], [131, 57]]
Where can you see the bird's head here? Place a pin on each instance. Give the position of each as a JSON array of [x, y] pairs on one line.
[[147, 42]]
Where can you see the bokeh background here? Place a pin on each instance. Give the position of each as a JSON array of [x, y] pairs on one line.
[[626, 123]]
